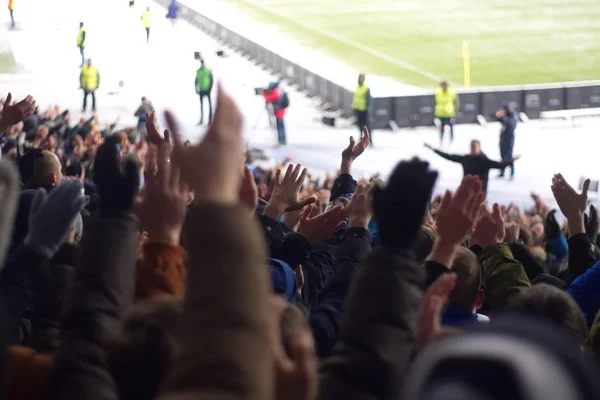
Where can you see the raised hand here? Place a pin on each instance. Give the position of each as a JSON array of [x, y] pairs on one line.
[[212, 167], [163, 205], [152, 130], [571, 203], [318, 228], [490, 229], [51, 216], [512, 230], [360, 208], [456, 218], [354, 150], [249, 191], [457, 214], [399, 208], [14, 113], [117, 185], [286, 192]]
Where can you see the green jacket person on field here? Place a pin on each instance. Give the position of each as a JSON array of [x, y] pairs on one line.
[[203, 85]]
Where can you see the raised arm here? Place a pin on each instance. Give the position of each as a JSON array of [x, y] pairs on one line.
[[450, 157]]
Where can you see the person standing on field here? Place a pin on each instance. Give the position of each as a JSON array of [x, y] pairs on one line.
[[11, 9], [204, 85], [446, 105], [81, 43], [89, 80], [147, 21], [509, 120], [360, 104]]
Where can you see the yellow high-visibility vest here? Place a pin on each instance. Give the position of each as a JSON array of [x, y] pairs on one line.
[[11, 5], [146, 19], [445, 103], [89, 77], [359, 101], [80, 39]]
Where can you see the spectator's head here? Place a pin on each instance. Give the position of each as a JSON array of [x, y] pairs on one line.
[[27, 165], [89, 62], [75, 169], [141, 355], [202, 63], [41, 133], [144, 100], [148, 8], [555, 305], [475, 147], [467, 293], [81, 24], [444, 85], [47, 170], [361, 79]]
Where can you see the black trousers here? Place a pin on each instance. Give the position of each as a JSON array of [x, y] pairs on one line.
[[147, 35], [131, 3], [85, 96], [362, 120], [202, 95], [506, 152], [12, 18]]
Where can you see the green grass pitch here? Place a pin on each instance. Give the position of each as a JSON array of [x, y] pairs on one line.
[[511, 42]]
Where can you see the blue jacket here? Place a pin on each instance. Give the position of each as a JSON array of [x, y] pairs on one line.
[[456, 316], [585, 291], [173, 8], [509, 124]]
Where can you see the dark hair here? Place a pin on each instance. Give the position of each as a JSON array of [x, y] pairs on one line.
[[468, 278], [140, 357], [75, 169], [554, 305]]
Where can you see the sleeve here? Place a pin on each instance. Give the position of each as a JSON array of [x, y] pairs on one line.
[[450, 157], [491, 164], [343, 186], [326, 316], [532, 266], [585, 291], [378, 331], [225, 328], [101, 295], [581, 256], [317, 269], [503, 276]]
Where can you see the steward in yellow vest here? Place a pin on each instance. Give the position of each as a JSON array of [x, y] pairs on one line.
[[81, 42], [360, 105], [147, 21], [11, 10], [446, 105], [89, 80]]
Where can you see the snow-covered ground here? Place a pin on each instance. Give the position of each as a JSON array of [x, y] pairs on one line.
[[164, 72]]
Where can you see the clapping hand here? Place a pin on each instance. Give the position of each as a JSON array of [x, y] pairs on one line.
[[571, 203], [14, 113], [399, 207], [212, 167], [360, 208], [591, 224], [456, 218], [490, 229], [318, 228], [162, 207], [353, 151], [286, 192], [152, 130], [249, 191]]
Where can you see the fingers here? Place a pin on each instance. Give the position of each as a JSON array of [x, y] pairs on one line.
[[351, 145], [173, 131], [164, 168], [446, 199], [227, 122], [497, 214], [288, 173], [586, 187], [302, 178], [301, 204], [8, 99], [366, 135]]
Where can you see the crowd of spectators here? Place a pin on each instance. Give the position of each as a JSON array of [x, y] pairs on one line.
[[136, 266]]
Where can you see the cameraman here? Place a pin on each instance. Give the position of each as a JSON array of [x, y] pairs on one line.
[[276, 98]]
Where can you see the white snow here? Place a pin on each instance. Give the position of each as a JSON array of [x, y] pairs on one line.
[[164, 71]]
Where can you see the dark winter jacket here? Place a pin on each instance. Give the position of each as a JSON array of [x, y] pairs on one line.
[[478, 165], [101, 294], [585, 291], [326, 315], [509, 125], [379, 329]]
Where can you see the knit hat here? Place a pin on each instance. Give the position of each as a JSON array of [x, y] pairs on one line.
[[284, 279]]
